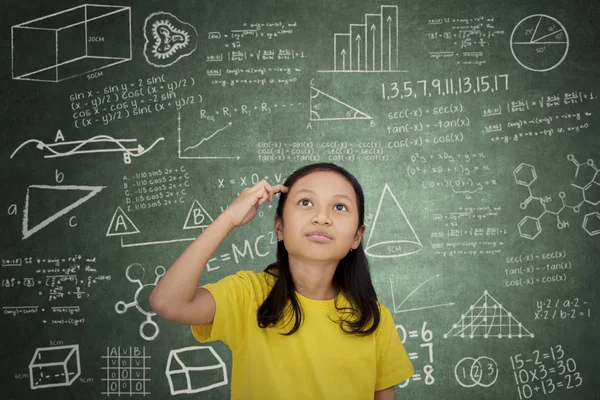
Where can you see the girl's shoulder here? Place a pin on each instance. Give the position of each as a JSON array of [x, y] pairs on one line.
[[258, 283]]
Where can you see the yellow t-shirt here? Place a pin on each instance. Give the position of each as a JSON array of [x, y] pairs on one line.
[[318, 361]]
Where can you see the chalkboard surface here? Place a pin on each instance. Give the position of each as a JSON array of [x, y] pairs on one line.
[[473, 127]]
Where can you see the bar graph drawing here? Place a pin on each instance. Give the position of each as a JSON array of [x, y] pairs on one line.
[[371, 46]]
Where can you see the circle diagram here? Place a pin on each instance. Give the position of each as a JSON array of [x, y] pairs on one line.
[[481, 371], [539, 43]]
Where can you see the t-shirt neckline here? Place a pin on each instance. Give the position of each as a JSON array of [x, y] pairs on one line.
[[316, 303]]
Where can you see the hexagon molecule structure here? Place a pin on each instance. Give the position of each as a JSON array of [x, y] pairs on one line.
[[589, 185]]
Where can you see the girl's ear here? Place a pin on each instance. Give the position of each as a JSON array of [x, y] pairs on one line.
[[358, 237], [278, 227]]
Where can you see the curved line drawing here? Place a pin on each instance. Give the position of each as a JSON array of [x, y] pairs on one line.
[[398, 309], [81, 143]]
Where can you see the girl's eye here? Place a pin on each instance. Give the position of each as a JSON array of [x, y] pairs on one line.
[[343, 207], [304, 202]]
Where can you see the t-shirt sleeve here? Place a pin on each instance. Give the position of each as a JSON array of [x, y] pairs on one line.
[[232, 299], [393, 365]]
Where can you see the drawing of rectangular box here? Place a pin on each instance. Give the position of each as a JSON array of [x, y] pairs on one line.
[[71, 42], [54, 366], [195, 369]]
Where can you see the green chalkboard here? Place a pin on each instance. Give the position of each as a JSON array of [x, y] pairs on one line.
[[472, 126]]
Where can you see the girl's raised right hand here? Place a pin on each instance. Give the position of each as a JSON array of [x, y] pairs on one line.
[[244, 207]]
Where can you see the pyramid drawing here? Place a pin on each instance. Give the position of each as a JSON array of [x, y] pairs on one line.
[[488, 319], [324, 107]]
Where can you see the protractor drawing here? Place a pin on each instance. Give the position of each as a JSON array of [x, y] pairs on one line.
[[488, 319], [539, 43], [391, 234], [324, 107], [54, 200]]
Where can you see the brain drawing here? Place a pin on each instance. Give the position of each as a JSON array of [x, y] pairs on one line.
[[167, 39]]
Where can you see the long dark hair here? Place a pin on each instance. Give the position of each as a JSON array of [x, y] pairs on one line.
[[351, 278]]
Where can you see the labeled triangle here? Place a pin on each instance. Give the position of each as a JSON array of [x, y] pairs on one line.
[[391, 234], [324, 107], [488, 318], [54, 200], [121, 224], [197, 217]]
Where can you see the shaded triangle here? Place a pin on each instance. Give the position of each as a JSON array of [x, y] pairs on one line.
[[56, 201], [121, 224]]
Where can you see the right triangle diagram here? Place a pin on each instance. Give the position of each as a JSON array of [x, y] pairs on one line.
[[488, 318], [325, 107]]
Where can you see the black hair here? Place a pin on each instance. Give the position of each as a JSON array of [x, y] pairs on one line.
[[351, 278]]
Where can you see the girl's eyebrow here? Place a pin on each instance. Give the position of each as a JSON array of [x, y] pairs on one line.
[[335, 195]]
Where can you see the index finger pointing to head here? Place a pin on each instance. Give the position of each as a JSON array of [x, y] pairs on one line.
[[280, 188]]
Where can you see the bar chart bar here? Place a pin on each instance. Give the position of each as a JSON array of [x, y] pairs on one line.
[[357, 51], [373, 42], [341, 51], [389, 37]]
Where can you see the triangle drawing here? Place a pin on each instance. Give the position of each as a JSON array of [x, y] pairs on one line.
[[488, 318], [121, 224], [324, 107], [391, 234], [69, 190], [197, 217]]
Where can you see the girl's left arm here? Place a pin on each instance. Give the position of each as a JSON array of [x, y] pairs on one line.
[[386, 394]]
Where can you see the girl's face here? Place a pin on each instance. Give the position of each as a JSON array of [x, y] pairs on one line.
[[320, 218]]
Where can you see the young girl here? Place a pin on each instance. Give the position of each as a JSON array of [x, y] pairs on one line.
[[309, 327]]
